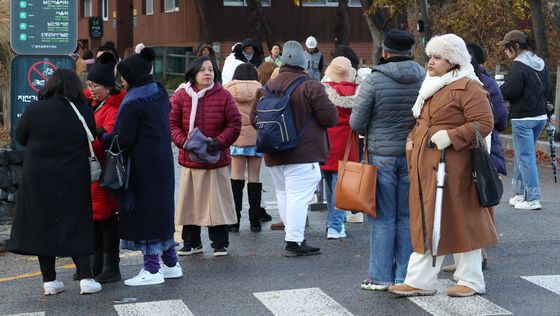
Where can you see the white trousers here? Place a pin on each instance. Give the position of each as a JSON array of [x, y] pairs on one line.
[[295, 185], [422, 275]]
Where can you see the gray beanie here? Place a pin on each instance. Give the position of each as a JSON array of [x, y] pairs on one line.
[[293, 55]]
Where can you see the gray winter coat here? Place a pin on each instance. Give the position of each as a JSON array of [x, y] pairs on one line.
[[383, 105]]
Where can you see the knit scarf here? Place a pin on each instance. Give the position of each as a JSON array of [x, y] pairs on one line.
[[194, 97], [431, 85]]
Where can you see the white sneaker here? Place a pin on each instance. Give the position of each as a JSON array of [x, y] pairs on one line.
[[89, 286], [171, 272], [528, 205], [334, 234], [354, 218], [53, 287], [145, 278], [516, 199]]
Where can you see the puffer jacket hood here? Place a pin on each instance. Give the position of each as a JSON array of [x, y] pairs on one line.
[[403, 71], [242, 90], [530, 59]]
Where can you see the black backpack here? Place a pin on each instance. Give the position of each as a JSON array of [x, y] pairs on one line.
[[276, 131]]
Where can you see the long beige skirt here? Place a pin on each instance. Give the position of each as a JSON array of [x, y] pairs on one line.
[[205, 198]]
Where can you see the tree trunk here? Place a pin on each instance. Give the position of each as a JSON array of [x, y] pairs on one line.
[[200, 9], [539, 28], [375, 30], [260, 23], [553, 9], [342, 29], [412, 17], [426, 19]]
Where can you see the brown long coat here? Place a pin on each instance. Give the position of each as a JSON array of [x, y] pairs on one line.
[[465, 224]]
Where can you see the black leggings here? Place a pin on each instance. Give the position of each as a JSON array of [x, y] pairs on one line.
[[49, 273], [107, 235]]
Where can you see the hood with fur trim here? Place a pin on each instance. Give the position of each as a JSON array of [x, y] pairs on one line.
[[342, 94]]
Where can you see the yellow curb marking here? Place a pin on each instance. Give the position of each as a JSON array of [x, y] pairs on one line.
[[66, 266]]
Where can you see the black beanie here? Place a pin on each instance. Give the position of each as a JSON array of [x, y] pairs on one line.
[[137, 67], [477, 52], [399, 42], [103, 70]]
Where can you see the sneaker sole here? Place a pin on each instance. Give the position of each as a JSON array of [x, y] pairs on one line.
[[372, 287], [415, 293], [47, 293], [220, 254], [146, 283], [90, 291], [461, 294], [189, 253], [300, 254], [173, 276]]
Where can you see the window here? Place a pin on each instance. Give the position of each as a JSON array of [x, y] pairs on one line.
[[105, 10], [88, 8], [241, 3], [354, 3], [171, 5], [329, 3], [149, 7]]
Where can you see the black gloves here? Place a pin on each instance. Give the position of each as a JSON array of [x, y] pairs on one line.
[[214, 145]]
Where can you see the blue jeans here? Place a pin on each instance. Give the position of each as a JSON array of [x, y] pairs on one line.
[[390, 244], [525, 177], [335, 218]]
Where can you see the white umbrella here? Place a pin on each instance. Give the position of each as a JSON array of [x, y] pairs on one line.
[[440, 180]]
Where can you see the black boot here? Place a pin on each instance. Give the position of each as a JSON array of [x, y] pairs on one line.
[[254, 191], [96, 264], [237, 189], [293, 249], [111, 271]]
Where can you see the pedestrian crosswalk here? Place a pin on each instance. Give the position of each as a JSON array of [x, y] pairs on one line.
[[313, 301]]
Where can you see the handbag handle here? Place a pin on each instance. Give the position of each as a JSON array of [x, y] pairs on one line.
[[353, 138], [115, 141], [88, 132]]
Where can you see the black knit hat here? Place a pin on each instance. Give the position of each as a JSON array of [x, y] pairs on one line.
[[137, 67], [399, 42], [103, 70], [477, 52]]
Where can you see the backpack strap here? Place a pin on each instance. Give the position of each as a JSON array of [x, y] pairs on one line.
[[291, 87]]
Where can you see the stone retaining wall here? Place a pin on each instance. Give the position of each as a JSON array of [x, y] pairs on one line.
[[10, 178]]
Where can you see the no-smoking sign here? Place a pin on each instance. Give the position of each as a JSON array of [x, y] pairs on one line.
[[39, 73]]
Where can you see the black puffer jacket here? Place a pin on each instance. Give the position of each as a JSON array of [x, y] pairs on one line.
[[525, 92]]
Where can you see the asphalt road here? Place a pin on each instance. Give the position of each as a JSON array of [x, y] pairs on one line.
[[255, 279]]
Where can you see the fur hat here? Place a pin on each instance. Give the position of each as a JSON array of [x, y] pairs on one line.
[[293, 55], [103, 70], [398, 42], [311, 42], [137, 67], [341, 69], [450, 47]]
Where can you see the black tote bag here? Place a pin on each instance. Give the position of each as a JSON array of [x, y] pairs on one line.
[[114, 174], [486, 179]]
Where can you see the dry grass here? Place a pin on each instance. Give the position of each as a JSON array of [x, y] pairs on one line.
[[4, 138]]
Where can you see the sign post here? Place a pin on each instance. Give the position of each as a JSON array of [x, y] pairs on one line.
[[43, 27], [43, 33]]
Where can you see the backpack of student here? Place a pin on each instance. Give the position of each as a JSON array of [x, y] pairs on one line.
[[276, 131]]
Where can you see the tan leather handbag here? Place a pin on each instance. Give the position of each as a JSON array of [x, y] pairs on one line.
[[356, 184]]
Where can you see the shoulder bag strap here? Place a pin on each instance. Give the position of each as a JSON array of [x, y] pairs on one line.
[[88, 132]]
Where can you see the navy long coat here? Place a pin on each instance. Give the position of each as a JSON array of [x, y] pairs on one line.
[[142, 126], [53, 212]]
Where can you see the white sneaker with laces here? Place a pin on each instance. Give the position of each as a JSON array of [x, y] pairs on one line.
[[145, 278], [516, 199], [334, 234], [89, 286], [171, 272], [53, 287], [528, 205]]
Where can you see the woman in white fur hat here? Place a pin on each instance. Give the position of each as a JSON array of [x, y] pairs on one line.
[[450, 101]]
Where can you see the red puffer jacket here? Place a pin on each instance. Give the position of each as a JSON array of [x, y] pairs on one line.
[[341, 94], [217, 116], [102, 200]]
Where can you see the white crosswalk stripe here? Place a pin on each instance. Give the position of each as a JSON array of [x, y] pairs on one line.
[[168, 308], [549, 282], [441, 304], [28, 314], [311, 301]]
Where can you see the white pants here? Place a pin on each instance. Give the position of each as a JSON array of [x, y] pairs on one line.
[[422, 275], [295, 185]]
